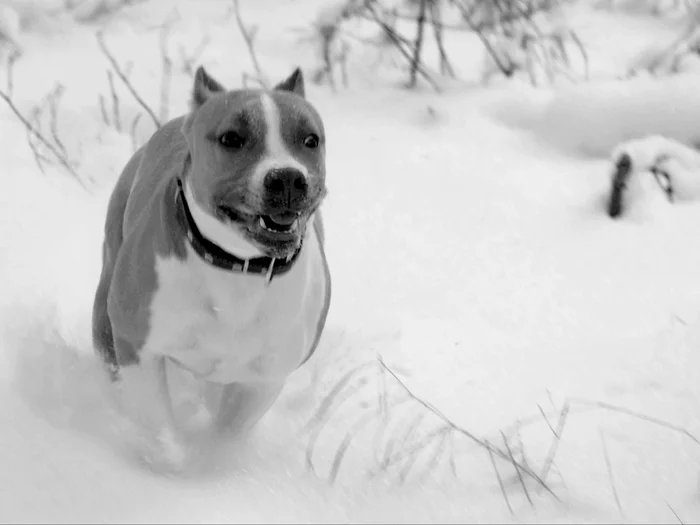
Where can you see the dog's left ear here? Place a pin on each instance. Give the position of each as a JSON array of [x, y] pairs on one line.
[[293, 83]]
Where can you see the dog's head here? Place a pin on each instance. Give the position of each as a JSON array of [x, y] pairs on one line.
[[258, 159]]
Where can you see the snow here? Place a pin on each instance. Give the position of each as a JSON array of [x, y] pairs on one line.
[[468, 245]]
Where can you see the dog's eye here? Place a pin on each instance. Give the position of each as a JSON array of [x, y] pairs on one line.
[[231, 140], [311, 141]]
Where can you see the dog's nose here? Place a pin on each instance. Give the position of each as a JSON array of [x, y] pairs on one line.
[[285, 187]]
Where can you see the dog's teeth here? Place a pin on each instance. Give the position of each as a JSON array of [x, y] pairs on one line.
[[262, 223]]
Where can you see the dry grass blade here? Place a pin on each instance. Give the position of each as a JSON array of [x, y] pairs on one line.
[[678, 518], [547, 420], [328, 407], [584, 53], [10, 72], [333, 394], [464, 432], [132, 132], [54, 99], [434, 461], [608, 465], [634, 414], [415, 448], [424, 445], [391, 445], [517, 469], [453, 463], [380, 432], [500, 480], [103, 109], [554, 447], [116, 116], [345, 443]]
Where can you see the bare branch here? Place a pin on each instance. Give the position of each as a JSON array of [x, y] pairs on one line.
[[103, 109], [33, 131], [189, 62], [10, 72], [399, 42], [166, 74], [132, 132], [54, 99], [116, 112], [248, 36], [418, 44], [122, 76]]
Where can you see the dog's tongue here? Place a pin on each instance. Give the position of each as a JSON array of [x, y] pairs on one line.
[[285, 219]]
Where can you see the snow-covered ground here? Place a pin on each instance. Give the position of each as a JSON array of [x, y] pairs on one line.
[[468, 245]]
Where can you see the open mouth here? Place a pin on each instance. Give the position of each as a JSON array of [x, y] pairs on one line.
[[287, 222], [278, 233]]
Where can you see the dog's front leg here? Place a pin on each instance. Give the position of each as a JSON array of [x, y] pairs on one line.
[[146, 397], [243, 405]]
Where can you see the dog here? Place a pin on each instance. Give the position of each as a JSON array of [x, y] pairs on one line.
[[213, 257], [652, 168]]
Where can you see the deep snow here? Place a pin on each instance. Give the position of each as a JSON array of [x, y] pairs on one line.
[[468, 245]]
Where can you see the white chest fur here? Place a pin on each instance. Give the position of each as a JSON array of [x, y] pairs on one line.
[[229, 327]]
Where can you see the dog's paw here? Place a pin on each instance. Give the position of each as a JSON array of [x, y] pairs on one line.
[[163, 452]]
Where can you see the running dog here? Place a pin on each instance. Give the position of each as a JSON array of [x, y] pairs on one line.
[[213, 256]]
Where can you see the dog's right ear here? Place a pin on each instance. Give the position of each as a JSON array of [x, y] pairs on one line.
[[204, 87], [293, 83]]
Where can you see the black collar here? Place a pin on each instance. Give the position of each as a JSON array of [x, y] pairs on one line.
[[215, 255]]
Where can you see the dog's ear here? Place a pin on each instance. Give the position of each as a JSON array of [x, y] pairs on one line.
[[293, 83], [204, 87]]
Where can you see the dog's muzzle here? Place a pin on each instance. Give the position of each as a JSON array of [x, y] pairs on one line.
[[285, 198]]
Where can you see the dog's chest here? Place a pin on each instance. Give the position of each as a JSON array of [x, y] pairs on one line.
[[227, 327]]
